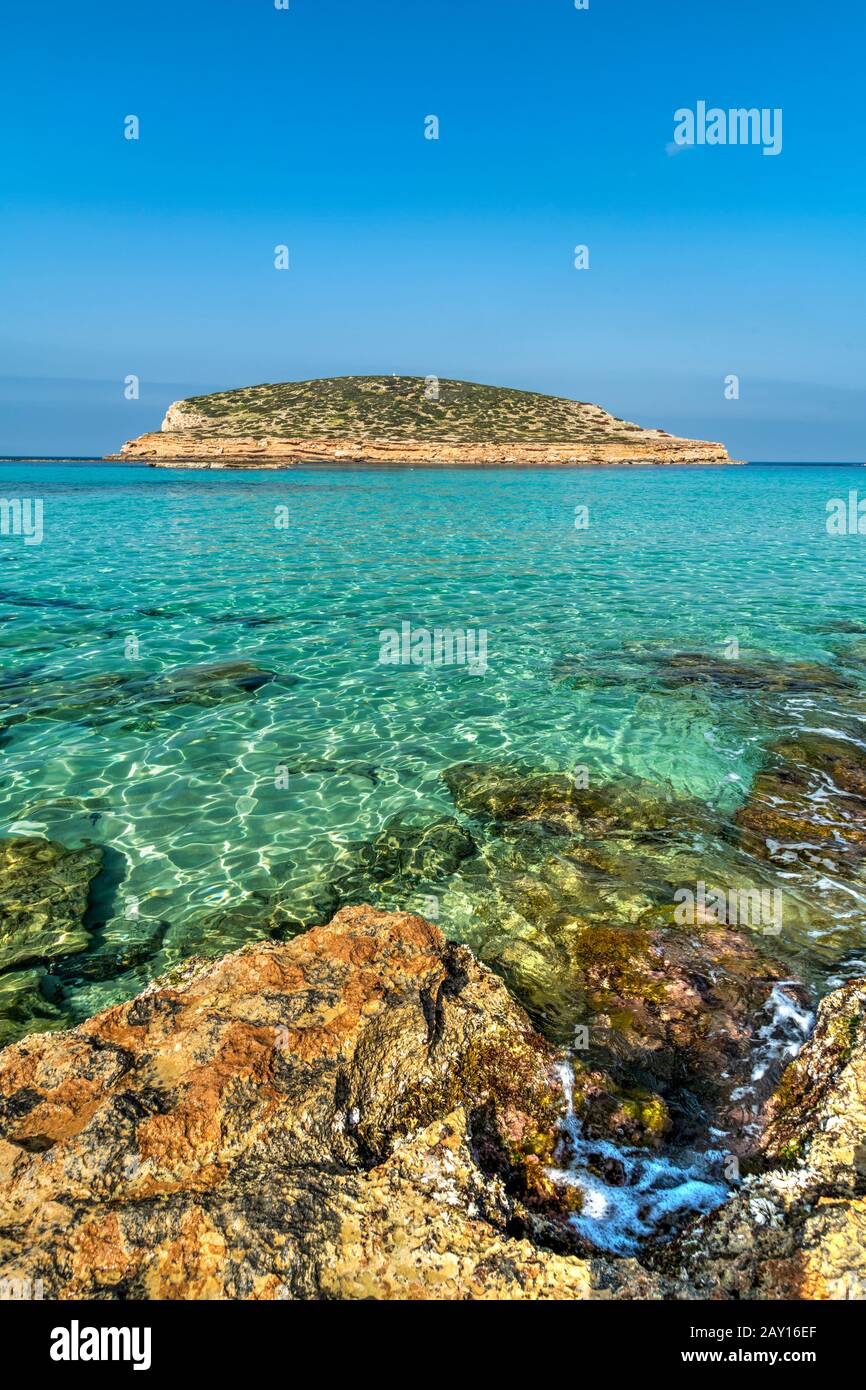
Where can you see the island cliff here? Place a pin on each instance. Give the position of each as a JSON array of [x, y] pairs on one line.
[[402, 420]]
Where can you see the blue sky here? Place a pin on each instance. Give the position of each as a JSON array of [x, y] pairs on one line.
[[451, 257]]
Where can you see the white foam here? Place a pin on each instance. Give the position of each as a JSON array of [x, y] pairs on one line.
[[618, 1216], [782, 1036]]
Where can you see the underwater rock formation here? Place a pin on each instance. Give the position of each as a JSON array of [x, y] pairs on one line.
[[685, 671], [43, 898], [569, 894], [93, 698], [402, 858], [573, 903], [24, 1007], [764, 677], [809, 803], [503, 792]]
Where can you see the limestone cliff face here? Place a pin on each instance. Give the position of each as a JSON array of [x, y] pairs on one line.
[[192, 450], [180, 418], [402, 420]]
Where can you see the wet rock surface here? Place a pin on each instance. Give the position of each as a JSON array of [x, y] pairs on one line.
[[574, 903], [810, 800], [570, 895]]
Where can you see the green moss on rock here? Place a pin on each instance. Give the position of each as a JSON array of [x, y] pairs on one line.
[[43, 899]]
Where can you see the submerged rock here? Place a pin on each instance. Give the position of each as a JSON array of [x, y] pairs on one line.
[[209, 684], [25, 1007], [511, 793], [93, 698], [314, 767], [220, 930], [506, 792], [408, 854], [43, 899], [841, 761], [688, 1015], [573, 901], [805, 818], [653, 670], [772, 677], [387, 870], [112, 953], [302, 904], [809, 804]]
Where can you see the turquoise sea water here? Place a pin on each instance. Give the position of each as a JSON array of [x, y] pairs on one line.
[[188, 796]]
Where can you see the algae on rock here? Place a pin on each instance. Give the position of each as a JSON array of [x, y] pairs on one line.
[[43, 899]]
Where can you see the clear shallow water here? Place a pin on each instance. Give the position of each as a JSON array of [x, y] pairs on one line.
[[143, 573], [193, 566]]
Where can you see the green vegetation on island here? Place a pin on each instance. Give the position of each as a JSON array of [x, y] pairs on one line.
[[397, 407]]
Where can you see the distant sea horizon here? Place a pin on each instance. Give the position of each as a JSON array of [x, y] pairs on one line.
[[144, 463]]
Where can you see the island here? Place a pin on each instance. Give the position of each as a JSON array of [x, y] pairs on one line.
[[402, 420]]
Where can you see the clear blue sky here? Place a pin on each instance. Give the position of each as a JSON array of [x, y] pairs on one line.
[[452, 257]]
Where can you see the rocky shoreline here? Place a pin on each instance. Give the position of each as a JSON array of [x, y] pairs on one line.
[[364, 1112]]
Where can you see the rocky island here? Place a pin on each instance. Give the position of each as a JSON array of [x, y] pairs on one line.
[[410, 420]]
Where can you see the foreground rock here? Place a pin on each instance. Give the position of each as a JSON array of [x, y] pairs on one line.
[[574, 903], [363, 1112]]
